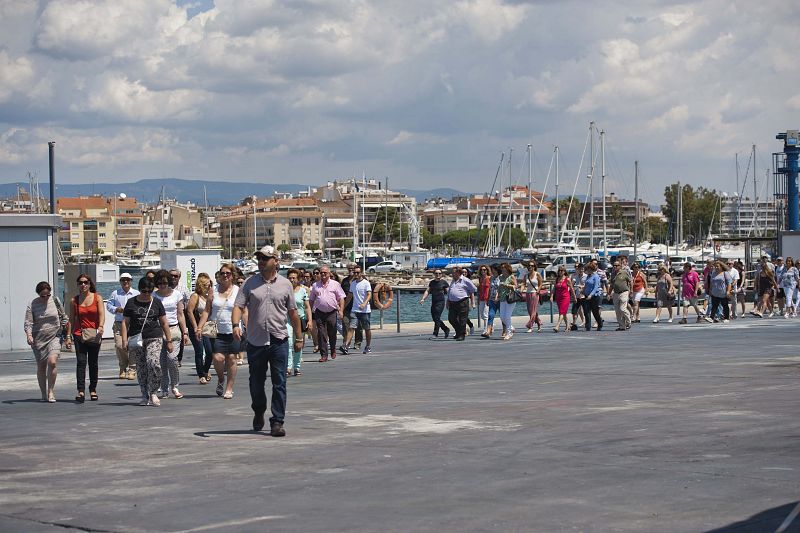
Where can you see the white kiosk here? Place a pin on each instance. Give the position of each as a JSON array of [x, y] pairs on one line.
[[27, 244], [191, 263]]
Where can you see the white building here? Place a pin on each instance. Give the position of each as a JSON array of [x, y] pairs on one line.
[[749, 218]]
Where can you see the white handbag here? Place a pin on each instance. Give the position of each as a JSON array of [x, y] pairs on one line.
[[137, 341]]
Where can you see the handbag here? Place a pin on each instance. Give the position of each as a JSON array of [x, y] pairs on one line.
[[137, 341], [90, 336], [210, 329], [514, 296]]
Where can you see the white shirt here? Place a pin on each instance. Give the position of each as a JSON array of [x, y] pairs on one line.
[[170, 304], [222, 308], [119, 299], [360, 289]]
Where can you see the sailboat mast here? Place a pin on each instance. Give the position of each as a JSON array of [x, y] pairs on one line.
[[636, 206], [738, 197], [591, 186], [558, 227], [530, 193], [755, 193], [603, 187]]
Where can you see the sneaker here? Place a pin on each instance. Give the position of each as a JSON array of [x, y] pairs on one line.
[[220, 388], [786, 315], [716, 320], [123, 374], [367, 350], [655, 321], [163, 395], [530, 330], [472, 330], [682, 321], [771, 314], [357, 345], [669, 321], [344, 350], [131, 374], [510, 333], [446, 333], [725, 320], [276, 430], [708, 319]]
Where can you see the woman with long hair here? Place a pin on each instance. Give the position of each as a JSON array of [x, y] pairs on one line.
[[563, 291], [87, 317], [144, 317], [226, 347], [789, 282], [202, 344], [638, 288], [508, 286], [45, 319], [533, 283], [493, 300], [665, 293], [720, 290], [304, 312], [172, 301]]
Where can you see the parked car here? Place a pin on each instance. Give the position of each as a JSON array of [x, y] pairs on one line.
[[569, 260], [386, 266]]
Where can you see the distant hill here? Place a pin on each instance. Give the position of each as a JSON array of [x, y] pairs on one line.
[[219, 192]]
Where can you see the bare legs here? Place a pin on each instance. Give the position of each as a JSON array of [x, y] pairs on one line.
[[225, 363], [46, 374]]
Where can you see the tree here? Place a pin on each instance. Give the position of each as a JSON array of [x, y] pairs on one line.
[[571, 205], [343, 243], [283, 247], [700, 207], [312, 246], [430, 240]]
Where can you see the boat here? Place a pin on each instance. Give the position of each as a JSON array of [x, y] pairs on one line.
[[150, 262], [129, 262]]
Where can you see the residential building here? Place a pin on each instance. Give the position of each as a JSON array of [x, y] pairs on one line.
[[749, 218], [515, 207], [296, 222], [98, 226], [619, 213]]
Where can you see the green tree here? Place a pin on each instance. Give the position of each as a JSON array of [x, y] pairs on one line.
[[284, 247], [312, 246], [571, 205], [343, 243], [700, 207], [430, 240]]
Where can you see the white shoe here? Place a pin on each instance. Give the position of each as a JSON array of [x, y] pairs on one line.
[[725, 320], [530, 330], [655, 321], [669, 321], [771, 314], [708, 319]]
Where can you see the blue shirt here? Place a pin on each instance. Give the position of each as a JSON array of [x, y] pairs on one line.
[[592, 286], [119, 299], [460, 289]]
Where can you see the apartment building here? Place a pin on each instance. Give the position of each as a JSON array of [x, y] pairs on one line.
[[746, 217], [296, 222]]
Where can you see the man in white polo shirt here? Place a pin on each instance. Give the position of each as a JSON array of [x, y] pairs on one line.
[[361, 290], [116, 304]]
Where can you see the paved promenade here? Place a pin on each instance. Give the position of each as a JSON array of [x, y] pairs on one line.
[[662, 428]]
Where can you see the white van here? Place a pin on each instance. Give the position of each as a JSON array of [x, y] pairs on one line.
[[568, 260]]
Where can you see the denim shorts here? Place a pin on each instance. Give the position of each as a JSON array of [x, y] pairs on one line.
[[226, 344], [359, 320]]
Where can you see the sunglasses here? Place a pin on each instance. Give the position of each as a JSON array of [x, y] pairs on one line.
[[316, 272], [146, 291], [176, 276], [225, 274], [83, 282]]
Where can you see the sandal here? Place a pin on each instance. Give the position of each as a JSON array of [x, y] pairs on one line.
[[93, 396], [175, 392], [227, 395], [298, 373], [203, 380], [80, 398], [220, 388]]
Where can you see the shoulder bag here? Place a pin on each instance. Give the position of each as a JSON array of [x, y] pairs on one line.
[[210, 328], [137, 341], [89, 335]]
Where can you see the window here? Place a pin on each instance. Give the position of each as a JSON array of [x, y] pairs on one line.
[[75, 225], [102, 224], [75, 245], [296, 222]]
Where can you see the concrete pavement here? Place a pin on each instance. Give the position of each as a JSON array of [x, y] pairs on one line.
[[661, 428]]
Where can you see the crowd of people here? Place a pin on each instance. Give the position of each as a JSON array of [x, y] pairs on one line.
[[715, 294], [266, 316]]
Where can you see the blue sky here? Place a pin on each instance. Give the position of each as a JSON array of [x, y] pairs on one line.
[[426, 93]]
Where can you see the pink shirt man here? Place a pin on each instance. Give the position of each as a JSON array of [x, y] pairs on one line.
[[689, 282], [325, 297]]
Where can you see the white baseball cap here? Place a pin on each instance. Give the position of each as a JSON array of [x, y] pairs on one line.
[[125, 275], [267, 251]]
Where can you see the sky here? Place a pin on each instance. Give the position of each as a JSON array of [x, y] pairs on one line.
[[428, 94]]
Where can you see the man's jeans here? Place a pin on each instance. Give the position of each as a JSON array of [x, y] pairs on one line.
[[272, 358]]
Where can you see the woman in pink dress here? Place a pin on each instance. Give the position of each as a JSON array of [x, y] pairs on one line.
[[562, 292]]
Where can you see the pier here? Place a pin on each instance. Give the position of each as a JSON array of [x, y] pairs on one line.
[[661, 428]]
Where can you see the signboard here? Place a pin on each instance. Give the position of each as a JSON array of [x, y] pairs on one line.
[[191, 263]]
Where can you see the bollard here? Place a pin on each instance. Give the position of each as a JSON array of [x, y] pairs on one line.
[[381, 315], [397, 303]]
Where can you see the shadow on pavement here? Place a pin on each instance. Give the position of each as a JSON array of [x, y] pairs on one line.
[[769, 520], [248, 432]]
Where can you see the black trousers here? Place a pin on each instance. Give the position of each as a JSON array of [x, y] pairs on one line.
[[326, 332], [437, 308], [591, 306], [457, 316], [86, 353], [715, 303]]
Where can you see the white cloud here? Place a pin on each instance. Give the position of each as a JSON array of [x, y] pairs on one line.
[[671, 118], [15, 75]]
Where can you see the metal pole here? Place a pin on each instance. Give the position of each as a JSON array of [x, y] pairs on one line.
[[54, 249], [397, 303], [591, 188], [636, 206], [530, 193], [603, 187]]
